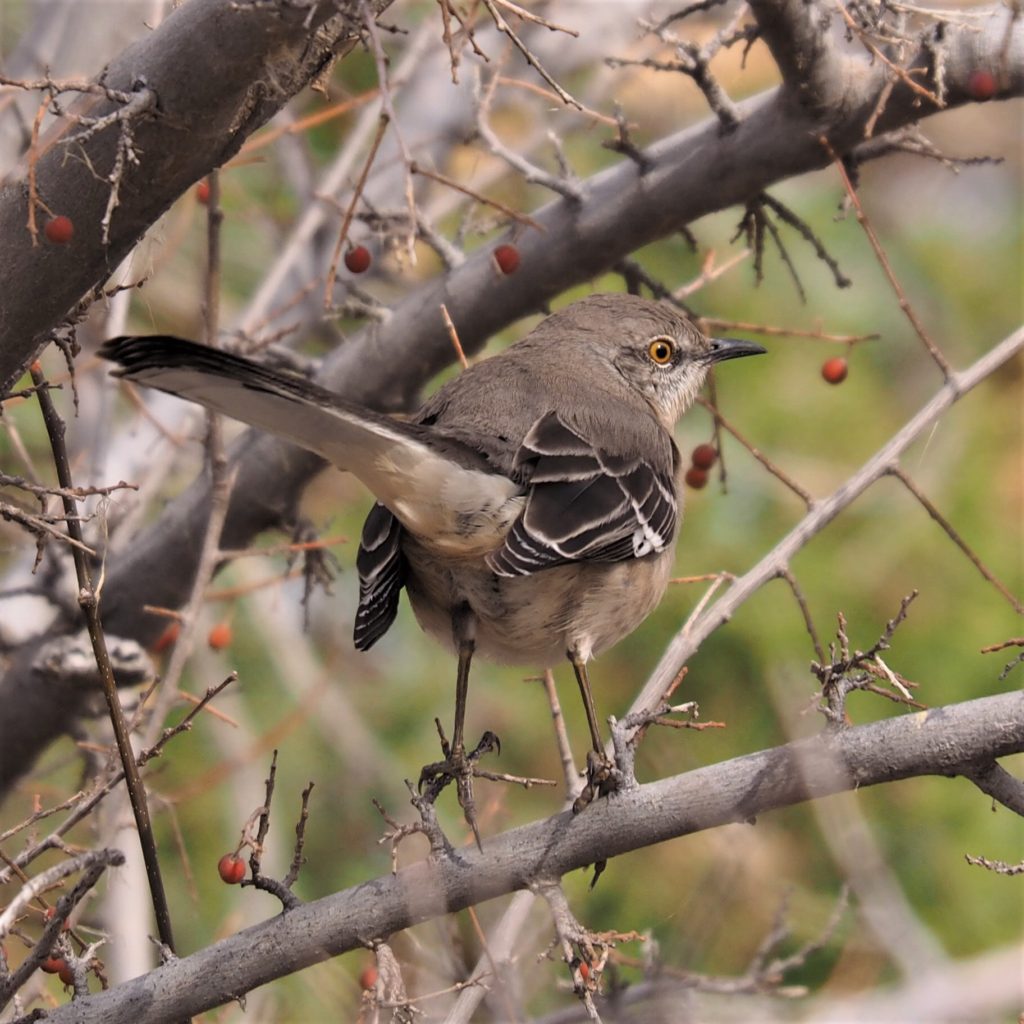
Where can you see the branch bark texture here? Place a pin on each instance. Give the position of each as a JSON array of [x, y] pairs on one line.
[[207, 78], [942, 741]]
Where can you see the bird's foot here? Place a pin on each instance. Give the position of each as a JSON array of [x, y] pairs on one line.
[[602, 778], [460, 768]]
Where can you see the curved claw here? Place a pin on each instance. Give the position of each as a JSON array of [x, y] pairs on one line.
[[458, 767], [488, 742], [601, 780]]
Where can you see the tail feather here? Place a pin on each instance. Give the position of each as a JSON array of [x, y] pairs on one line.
[[283, 404], [410, 468]]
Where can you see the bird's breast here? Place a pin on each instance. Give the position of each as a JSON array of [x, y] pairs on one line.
[[534, 620]]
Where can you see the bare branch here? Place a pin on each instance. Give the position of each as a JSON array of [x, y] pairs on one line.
[[940, 742], [955, 537], [998, 783]]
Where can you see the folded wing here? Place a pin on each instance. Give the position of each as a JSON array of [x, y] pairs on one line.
[[586, 503]]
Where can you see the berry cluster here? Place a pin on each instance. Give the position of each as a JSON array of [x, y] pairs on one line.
[[702, 458]]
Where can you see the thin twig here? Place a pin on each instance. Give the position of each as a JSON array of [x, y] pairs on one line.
[[503, 26], [785, 573], [573, 782], [89, 601], [955, 537], [569, 188], [520, 218], [787, 332], [805, 496], [387, 101], [332, 271], [449, 326], [902, 74], [904, 304]]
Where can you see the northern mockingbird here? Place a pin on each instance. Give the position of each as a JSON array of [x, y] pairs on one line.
[[529, 508]]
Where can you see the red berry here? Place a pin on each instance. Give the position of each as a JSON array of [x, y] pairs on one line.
[[220, 636], [59, 230], [368, 977], [704, 456], [231, 868], [203, 191], [834, 370], [358, 259], [981, 85], [584, 970], [696, 477], [507, 258], [54, 965], [66, 975]]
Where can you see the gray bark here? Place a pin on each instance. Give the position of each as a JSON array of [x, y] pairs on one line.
[[259, 57]]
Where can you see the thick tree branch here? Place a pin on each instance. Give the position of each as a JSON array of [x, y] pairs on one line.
[[803, 45], [937, 742], [214, 71], [998, 783]]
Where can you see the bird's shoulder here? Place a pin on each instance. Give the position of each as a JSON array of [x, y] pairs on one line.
[[494, 406]]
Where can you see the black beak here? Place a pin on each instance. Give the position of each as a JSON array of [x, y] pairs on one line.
[[732, 348]]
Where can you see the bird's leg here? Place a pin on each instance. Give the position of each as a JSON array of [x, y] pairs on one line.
[[600, 769], [458, 765], [464, 632]]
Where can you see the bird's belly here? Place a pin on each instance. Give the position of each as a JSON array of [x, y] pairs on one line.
[[534, 620]]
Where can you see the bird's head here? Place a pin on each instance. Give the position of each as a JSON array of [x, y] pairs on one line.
[[654, 348]]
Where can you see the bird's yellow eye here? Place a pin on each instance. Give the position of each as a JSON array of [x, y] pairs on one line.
[[661, 351]]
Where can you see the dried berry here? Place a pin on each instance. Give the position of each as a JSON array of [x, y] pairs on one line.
[[231, 868], [696, 477], [981, 85], [220, 636]]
